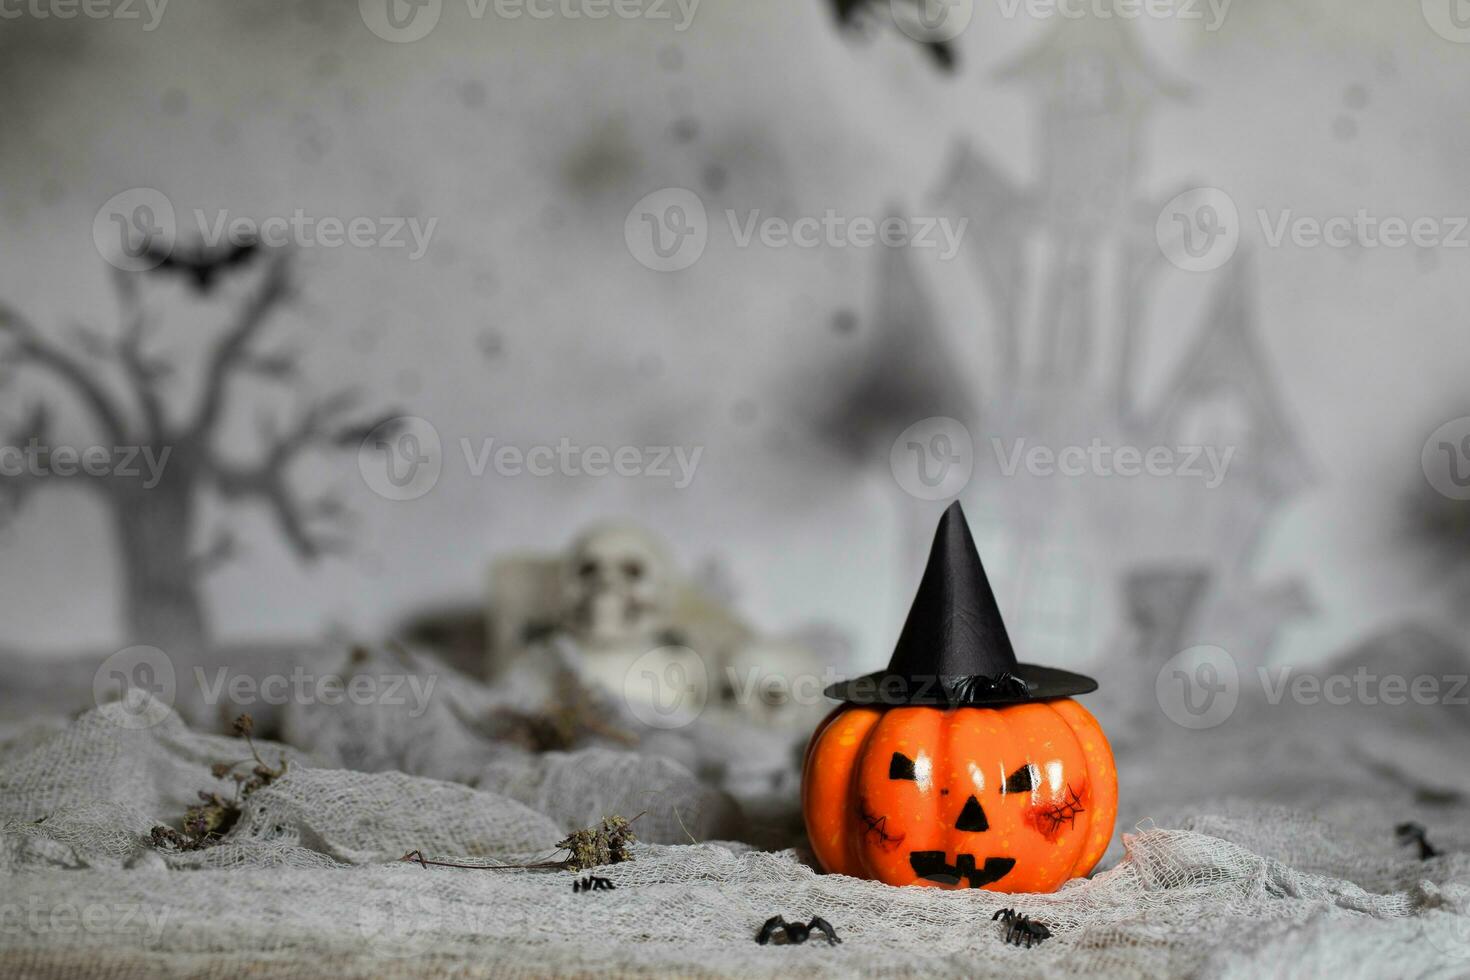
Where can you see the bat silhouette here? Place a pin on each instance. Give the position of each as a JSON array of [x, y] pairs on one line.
[[851, 15], [202, 265]]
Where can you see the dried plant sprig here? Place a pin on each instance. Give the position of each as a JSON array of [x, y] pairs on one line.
[[206, 823], [610, 843]]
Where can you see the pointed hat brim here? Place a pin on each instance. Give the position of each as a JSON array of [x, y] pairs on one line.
[[885, 688]]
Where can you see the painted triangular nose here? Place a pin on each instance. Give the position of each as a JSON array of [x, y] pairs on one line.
[[972, 817]]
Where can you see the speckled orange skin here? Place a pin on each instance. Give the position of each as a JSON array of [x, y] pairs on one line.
[[864, 824]]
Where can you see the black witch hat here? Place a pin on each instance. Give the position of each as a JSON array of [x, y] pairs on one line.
[[954, 649]]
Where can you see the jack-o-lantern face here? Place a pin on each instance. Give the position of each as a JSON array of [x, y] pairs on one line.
[[1013, 799]]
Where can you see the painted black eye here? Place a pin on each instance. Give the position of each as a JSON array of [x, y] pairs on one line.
[[901, 767], [1020, 781]]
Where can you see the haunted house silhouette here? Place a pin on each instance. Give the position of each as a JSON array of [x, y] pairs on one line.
[[1134, 567]]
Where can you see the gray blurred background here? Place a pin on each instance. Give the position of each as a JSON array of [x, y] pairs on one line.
[[1065, 315]]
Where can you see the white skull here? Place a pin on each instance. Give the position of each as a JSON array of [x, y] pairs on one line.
[[617, 586]]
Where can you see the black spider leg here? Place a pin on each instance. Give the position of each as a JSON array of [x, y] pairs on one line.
[[821, 925], [1009, 917], [768, 931]]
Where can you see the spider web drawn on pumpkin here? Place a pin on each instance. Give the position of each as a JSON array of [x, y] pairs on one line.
[[877, 828], [1050, 817]]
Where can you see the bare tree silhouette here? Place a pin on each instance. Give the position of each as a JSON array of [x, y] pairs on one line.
[[156, 514]]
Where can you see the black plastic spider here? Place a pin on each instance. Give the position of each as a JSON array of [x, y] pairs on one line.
[[1021, 929], [794, 933], [1413, 833], [592, 883]]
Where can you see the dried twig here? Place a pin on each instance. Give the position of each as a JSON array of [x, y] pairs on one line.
[[207, 823], [611, 843]]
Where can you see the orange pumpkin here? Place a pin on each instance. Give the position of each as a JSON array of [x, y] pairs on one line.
[[1017, 798]]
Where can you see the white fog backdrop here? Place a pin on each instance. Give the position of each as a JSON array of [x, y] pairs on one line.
[[529, 321]]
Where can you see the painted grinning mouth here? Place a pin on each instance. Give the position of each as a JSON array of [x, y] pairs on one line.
[[931, 866]]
